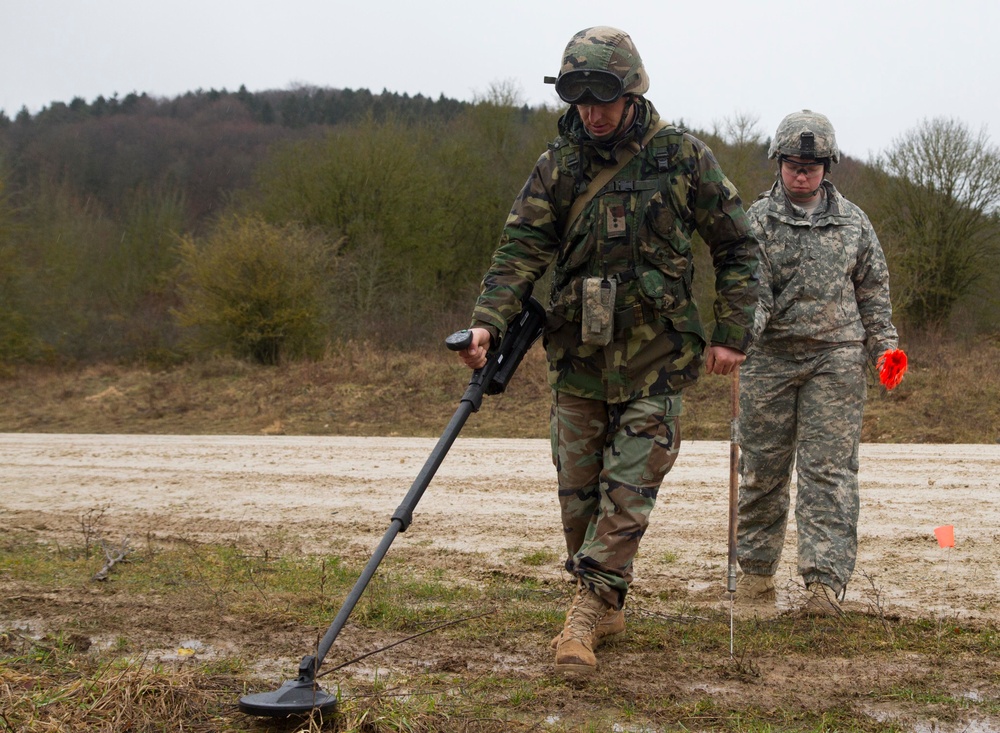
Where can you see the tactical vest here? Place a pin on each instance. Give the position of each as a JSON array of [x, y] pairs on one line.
[[636, 230]]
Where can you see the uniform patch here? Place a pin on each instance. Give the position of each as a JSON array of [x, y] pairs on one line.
[[616, 221]]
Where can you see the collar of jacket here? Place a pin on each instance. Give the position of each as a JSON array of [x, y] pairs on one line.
[[831, 209], [571, 127]]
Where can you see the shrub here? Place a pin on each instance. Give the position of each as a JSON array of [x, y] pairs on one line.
[[256, 290]]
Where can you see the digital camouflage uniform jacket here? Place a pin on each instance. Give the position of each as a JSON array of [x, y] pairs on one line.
[[823, 280], [638, 232]]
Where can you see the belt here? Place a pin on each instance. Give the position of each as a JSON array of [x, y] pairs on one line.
[[626, 276]]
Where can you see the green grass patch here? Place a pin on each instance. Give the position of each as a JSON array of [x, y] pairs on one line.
[[539, 557], [485, 668]]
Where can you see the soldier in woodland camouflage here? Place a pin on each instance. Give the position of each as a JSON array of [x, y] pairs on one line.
[[611, 206], [824, 313]]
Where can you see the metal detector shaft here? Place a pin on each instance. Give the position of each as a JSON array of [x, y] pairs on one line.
[[734, 479], [522, 332], [403, 515]]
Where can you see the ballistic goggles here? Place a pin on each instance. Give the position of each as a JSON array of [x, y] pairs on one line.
[[807, 169], [585, 86]]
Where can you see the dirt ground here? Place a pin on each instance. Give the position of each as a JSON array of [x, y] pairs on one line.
[[491, 503]]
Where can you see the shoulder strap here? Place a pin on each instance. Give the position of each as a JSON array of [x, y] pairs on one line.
[[608, 173]]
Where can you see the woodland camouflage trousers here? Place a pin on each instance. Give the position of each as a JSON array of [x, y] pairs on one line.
[[808, 412], [610, 460]]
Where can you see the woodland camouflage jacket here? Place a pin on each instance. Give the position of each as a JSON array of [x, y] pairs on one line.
[[637, 232], [824, 280]]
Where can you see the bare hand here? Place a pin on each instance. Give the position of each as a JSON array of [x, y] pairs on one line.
[[474, 357], [723, 360]]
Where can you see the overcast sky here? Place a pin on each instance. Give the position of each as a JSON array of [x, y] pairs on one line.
[[877, 68]]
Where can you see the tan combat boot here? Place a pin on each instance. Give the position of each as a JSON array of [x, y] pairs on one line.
[[822, 601], [611, 624], [754, 589], [575, 650]]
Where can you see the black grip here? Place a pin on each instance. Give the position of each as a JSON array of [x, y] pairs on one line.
[[460, 340], [503, 358], [522, 332]]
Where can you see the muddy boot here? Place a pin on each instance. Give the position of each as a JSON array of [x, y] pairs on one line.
[[752, 589], [822, 601], [575, 650], [611, 624]]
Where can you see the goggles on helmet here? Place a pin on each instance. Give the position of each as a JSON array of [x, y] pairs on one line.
[[585, 86]]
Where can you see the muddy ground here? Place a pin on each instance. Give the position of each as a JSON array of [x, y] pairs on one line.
[[491, 504]]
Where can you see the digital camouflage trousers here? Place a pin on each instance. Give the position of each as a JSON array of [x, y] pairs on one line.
[[805, 412], [610, 460]]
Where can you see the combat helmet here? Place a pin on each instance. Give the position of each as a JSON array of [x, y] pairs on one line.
[[599, 65], [805, 134]]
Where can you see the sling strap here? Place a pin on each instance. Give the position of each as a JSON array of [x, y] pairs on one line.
[[606, 174]]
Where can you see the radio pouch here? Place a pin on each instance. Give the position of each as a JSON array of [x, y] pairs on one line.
[[598, 311]]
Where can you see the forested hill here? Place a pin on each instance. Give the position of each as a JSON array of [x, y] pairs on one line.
[[289, 108], [204, 144], [279, 225], [369, 212]]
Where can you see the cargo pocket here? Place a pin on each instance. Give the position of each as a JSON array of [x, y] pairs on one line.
[[666, 441]]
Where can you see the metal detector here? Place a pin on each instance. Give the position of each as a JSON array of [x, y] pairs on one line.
[[303, 694]]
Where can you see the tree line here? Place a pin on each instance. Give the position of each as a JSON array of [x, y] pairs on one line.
[[275, 225]]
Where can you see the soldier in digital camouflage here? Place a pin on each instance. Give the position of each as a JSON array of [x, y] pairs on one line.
[[824, 313], [611, 207]]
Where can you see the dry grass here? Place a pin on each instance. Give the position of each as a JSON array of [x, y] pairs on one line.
[[48, 686], [950, 395], [452, 681]]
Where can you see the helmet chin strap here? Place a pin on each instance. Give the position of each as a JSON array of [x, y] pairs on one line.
[[629, 107]]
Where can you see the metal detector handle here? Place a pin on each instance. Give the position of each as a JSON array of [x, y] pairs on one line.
[[502, 361], [478, 383], [460, 340]]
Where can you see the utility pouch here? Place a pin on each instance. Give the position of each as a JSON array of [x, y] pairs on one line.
[[653, 285], [598, 308]]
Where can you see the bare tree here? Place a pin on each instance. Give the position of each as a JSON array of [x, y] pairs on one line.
[[940, 225], [742, 130], [744, 155]]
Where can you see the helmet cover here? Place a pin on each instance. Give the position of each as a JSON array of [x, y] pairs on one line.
[[805, 134], [598, 52]]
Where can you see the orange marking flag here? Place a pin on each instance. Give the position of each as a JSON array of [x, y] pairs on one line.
[[945, 535], [891, 368]]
